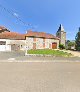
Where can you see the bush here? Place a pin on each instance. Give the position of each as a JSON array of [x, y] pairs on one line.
[[61, 46], [78, 48]]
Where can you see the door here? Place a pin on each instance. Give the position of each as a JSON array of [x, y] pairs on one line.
[[54, 45], [34, 45], [15, 47]]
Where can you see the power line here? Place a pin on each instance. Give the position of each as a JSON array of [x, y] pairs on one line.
[[11, 12]]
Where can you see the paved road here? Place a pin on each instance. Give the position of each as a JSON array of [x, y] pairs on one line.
[[40, 77]]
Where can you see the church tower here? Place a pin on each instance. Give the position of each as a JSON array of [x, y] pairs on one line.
[[62, 35]]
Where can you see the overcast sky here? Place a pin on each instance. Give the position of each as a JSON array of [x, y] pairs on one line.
[[43, 15]]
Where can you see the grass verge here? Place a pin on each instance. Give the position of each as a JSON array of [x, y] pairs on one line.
[[50, 52]]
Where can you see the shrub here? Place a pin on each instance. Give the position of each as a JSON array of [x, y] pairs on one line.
[[61, 46], [78, 48]]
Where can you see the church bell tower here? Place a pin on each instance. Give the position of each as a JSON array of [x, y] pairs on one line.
[[62, 35]]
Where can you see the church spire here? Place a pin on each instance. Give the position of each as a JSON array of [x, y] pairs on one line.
[[61, 28]]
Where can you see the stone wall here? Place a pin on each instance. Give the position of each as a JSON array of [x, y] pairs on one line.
[[29, 43], [40, 43], [47, 43]]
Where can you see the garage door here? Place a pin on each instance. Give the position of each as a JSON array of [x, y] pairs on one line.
[[54, 45], [2, 47], [15, 47]]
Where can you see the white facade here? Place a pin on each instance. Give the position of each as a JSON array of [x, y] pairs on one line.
[[9, 44], [4, 47]]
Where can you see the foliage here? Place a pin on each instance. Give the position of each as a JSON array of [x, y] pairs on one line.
[[70, 44], [49, 52], [77, 40], [61, 46]]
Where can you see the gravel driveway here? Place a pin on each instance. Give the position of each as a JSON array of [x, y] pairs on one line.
[[74, 53]]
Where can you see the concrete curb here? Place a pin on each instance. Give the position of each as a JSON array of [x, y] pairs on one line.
[[42, 55], [39, 55], [38, 61]]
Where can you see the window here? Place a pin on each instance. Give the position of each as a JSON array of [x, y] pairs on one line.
[[2, 42]]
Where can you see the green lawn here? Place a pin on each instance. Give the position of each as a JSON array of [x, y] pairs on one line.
[[49, 52]]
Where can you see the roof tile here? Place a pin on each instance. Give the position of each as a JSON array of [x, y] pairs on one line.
[[41, 34], [12, 35]]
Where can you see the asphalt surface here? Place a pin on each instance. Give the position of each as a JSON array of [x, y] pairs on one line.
[[40, 77], [20, 73]]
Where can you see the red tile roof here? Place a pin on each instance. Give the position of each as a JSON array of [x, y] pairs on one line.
[[6, 34], [12, 35], [41, 34]]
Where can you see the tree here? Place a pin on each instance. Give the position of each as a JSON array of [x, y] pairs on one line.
[[71, 44], [77, 40]]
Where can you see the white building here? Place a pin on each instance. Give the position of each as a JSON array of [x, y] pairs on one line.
[[11, 40]]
